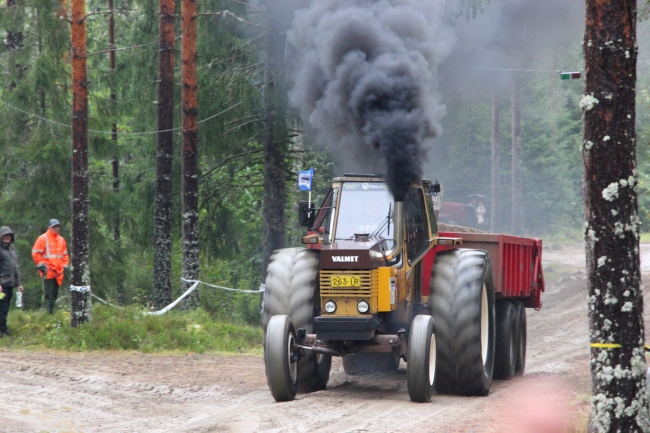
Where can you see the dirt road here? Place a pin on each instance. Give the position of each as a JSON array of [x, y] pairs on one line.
[[131, 392]]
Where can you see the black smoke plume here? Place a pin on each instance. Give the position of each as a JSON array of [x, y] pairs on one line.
[[365, 78]]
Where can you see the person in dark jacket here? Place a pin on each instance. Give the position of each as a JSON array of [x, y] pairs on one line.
[[9, 276]]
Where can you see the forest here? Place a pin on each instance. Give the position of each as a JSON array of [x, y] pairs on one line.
[[252, 140]]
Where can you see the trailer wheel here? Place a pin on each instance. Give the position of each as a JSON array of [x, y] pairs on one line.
[[365, 363], [281, 368], [421, 356], [505, 359], [520, 314], [462, 305], [292, 290]]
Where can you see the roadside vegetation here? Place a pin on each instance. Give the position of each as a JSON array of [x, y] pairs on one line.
[[129, 329]]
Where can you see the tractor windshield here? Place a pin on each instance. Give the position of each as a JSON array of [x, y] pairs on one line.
[[365, 208]]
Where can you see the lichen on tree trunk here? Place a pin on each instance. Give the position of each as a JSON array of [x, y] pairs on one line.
[[619, 401], [162, 231]]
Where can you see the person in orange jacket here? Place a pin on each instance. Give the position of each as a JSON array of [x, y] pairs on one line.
[[50, 254]]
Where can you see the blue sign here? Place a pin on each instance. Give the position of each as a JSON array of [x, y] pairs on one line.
[[304, 179]]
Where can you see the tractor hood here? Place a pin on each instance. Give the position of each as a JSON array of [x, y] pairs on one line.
[[354, 254]]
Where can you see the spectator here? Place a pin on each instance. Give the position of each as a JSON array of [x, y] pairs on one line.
[[50, 254], [9, 277]]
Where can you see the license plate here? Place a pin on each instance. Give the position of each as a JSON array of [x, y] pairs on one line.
[[345, 281]]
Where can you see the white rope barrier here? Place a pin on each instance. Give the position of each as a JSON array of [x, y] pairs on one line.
[[260, 290], [173, 304], [105, 302], [195, 284]]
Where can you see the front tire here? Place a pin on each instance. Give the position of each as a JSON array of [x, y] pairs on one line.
[[462, 305], [281, 368], [292, 290], [421, 359]]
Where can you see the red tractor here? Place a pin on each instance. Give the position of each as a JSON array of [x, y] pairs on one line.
[[377, 282]]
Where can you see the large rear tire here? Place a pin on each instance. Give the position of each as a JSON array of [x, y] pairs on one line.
[[520, 314], [505, 358], [365, 363], [421, 359], [292, 290], [281, 369], [462, 305]]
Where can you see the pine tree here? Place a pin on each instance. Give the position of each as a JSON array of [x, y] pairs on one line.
[[619, 396]]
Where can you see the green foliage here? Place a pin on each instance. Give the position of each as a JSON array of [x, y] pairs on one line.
[[130, 329]]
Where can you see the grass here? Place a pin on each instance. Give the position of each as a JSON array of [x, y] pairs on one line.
[[129, 329]]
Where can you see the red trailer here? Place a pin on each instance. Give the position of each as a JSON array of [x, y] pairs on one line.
[[516, 264]]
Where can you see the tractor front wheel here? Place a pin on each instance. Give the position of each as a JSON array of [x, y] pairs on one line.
[[281, 366], [421, 359], [292, 290]]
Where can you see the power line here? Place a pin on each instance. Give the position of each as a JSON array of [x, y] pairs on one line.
[[111, 132]]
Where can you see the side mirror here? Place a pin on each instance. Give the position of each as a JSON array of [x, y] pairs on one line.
[[306, 214], [436, 187]]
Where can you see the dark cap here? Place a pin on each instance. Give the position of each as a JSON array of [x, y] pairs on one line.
[[54, 222]]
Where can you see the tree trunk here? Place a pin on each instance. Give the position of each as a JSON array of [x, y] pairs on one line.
[[121, 296], [275, 194], [495, 160], [619, 402], [516, 206], [162, 231], [190, 152], [81, 307], [14, 42]]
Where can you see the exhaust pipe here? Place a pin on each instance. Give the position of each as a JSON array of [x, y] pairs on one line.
[[398, 220]]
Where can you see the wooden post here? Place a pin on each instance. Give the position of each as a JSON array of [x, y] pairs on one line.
[[81, 307], [190, 185]]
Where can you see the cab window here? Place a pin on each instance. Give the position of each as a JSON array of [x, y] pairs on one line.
[[417, 228]]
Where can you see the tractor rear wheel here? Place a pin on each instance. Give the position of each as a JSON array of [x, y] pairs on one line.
[[292, 289], [281, 368], [520, 314], [505, 358], [461, 302], [421, 359]]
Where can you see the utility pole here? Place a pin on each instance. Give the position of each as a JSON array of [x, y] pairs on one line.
[[190, 184], [516, 181], [495, 160], [619, 400], [162, 230], [81, 307]]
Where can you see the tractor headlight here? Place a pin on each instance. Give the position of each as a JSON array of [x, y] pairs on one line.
[[330, 307], [363, 307]]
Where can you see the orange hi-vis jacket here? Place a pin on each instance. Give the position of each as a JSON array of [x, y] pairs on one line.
[[51, 249]]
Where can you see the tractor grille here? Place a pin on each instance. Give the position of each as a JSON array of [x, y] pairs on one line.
[[368, 281]]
